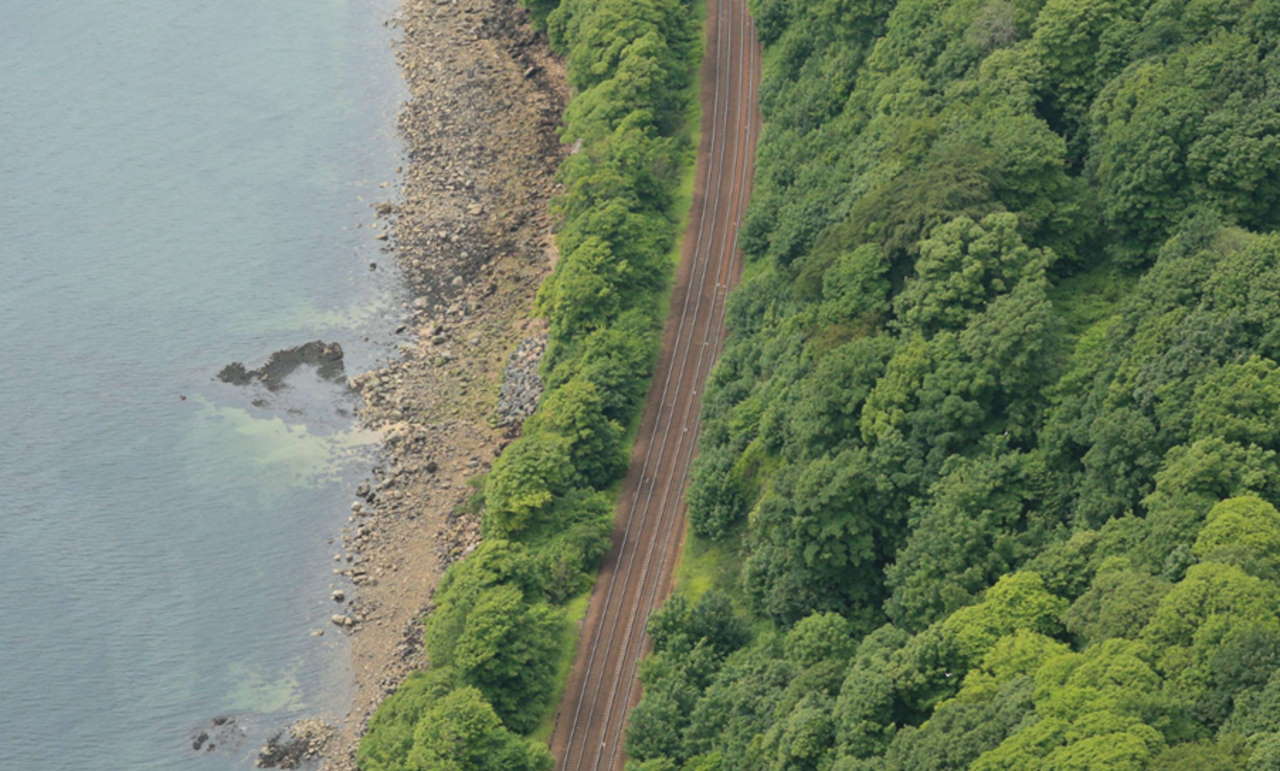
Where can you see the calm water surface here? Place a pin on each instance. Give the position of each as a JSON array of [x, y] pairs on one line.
[[184, 184]]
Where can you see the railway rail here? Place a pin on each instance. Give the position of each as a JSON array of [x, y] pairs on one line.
[[636, 574]]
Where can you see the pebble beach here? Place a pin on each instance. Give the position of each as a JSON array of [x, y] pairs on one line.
[[471, 233]]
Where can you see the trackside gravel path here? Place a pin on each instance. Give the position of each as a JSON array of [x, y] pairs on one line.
[[636, 574]]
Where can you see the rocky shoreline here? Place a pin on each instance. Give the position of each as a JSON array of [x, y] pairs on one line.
[[471, 234]]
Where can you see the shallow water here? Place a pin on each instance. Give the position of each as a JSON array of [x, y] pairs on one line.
[[185, 184]]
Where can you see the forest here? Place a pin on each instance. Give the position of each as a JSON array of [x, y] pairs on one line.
[[500, 623], [988, 471]]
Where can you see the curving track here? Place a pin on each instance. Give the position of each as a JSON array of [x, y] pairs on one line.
[[636, 574]]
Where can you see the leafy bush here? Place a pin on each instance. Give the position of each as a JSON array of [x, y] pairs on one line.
[[461, 731]]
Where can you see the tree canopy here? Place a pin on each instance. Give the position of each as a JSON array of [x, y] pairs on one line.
[[993, 437]]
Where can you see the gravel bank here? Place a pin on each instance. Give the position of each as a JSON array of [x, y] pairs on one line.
[[471, 233]]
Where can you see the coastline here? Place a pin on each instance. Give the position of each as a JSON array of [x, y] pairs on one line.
[[471, 233]]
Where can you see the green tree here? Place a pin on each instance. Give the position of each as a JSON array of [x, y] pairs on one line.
[[507, 648], [1069, 34], [815, 541], [1239, 402], [1192, 480], [865, 705], [492, 631], [573, 540], [1266, 753], [1256, 710], [494, 562], [460, 732], [819, 637], [1244, 532], [587, 290], [1090, 710], [524, 480], [1230, 657], [679, 626], [824, 405], [958, 732], [1228, 753], [1019, 654], [616, 359], [963, 266], [1234, 157], [955, 183], [575, 411], [854, 284], [930, 668], [799, 739], [651, 726], [1209, 589], [977, 523], [390, 735], [1119, 603], [600, 33], [1016, 601]]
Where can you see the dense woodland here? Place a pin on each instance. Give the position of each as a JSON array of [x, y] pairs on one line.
[[500, 626], [988, 472], [990, 456]]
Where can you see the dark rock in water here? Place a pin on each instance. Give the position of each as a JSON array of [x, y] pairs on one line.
[[281, 752], [325, 357], [235, 374], [221, 730], [287, 749]]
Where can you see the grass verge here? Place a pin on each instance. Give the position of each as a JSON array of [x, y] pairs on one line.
[[574, 611]]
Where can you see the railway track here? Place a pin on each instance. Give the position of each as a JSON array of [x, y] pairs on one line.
[[636, 574]]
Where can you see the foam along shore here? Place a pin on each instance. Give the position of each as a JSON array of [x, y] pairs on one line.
[[471, 233]]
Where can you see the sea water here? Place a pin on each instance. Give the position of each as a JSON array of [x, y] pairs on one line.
[[182, 184]]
